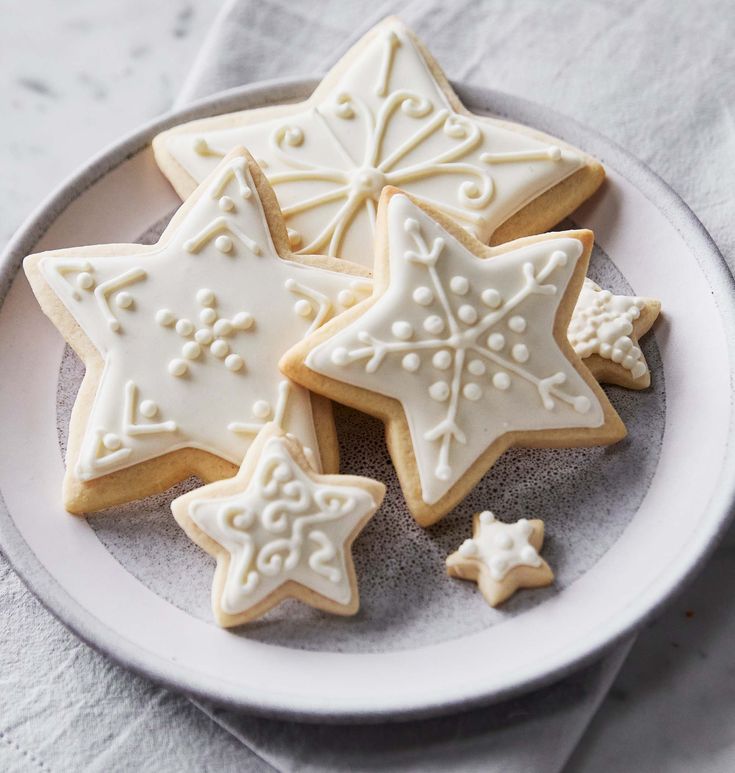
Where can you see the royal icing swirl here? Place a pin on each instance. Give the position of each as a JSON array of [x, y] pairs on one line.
[[379, 118], [285, 526]]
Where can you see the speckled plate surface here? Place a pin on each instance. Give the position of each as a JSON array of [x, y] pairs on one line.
[[626, 525]]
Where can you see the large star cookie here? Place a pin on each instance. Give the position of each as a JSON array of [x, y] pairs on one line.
[[501, 557], [278, 529], [181, 341], [461, 356], [386, 115], [604, 331]]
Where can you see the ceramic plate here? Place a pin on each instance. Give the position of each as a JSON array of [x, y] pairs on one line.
[[626, 525]]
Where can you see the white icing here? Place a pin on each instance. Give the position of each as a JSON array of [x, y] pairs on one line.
[[535, 387], [284, 526], [602, 324], [201, 339], [501, 546], [382, 120]]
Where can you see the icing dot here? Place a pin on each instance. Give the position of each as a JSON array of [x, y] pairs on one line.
[[303, 308], [165, 317], [207, 316], [443, 472], [491, 298], [203, 337], [423, 296], [498, 567], [486, 517], [205, 297], [472, 391], [219, 348], [178, 367], [340, 356], [442, 359], [582, 404], [191, 350], [524, 525], [402, 329], [294, 237], [148, 409], [111, 442], [243, 320], [261, 409], [496, 341], [85, 280], [411, 362], [517, 324], [282, 473], [222, 327], [234, 362], [476, 367], [501, 381], [223, 243], [434, 324], [467, 313], [439, 391], [520, 353], [559, 257], [554, 152], [184, 327], [504, 541], [468, 549], [124, 300], [529, 554], [226, 204], [459, 285], [346, 298]]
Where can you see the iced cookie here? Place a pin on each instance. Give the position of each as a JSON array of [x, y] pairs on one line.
[[181, 341], [278, 529], [501, 557], [386, 115], [604, 332], [461, 351]]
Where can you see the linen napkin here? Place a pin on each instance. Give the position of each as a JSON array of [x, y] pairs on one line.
[[255, 40]]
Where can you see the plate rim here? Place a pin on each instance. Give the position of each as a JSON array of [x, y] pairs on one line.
[[153, 666]]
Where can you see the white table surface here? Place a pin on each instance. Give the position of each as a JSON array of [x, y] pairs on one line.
[[658, 77]]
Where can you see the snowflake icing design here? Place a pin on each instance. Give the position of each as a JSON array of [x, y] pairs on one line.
[[384, 122], [468, 340]]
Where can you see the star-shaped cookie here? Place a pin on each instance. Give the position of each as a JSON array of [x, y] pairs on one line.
[[461, 356], [604, 331], [501, 557], [386, 115], [278, 529], [181, 341]]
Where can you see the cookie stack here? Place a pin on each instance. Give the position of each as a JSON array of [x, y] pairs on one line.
[[378, 246]]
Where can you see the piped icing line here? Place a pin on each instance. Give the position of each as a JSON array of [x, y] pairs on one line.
[[279, 529], [200, 339], [608, 326], [465, 350], [382, 117], [501, 557]]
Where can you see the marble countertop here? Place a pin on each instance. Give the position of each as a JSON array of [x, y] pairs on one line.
[[77, 76]]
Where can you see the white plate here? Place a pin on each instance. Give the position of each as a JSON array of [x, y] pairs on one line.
[[627, 525]]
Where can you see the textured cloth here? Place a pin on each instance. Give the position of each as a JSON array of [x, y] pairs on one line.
[[657, 78]]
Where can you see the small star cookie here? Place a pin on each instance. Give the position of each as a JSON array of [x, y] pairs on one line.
[[386, 115], [278, 529], [181, 341], [604, 331], [501, 557], [462, 351]]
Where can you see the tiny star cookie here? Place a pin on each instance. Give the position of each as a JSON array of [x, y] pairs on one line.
[[604, 332], [278, 529], [461, 355], [386, 115], [501, 557], [181, 341]]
